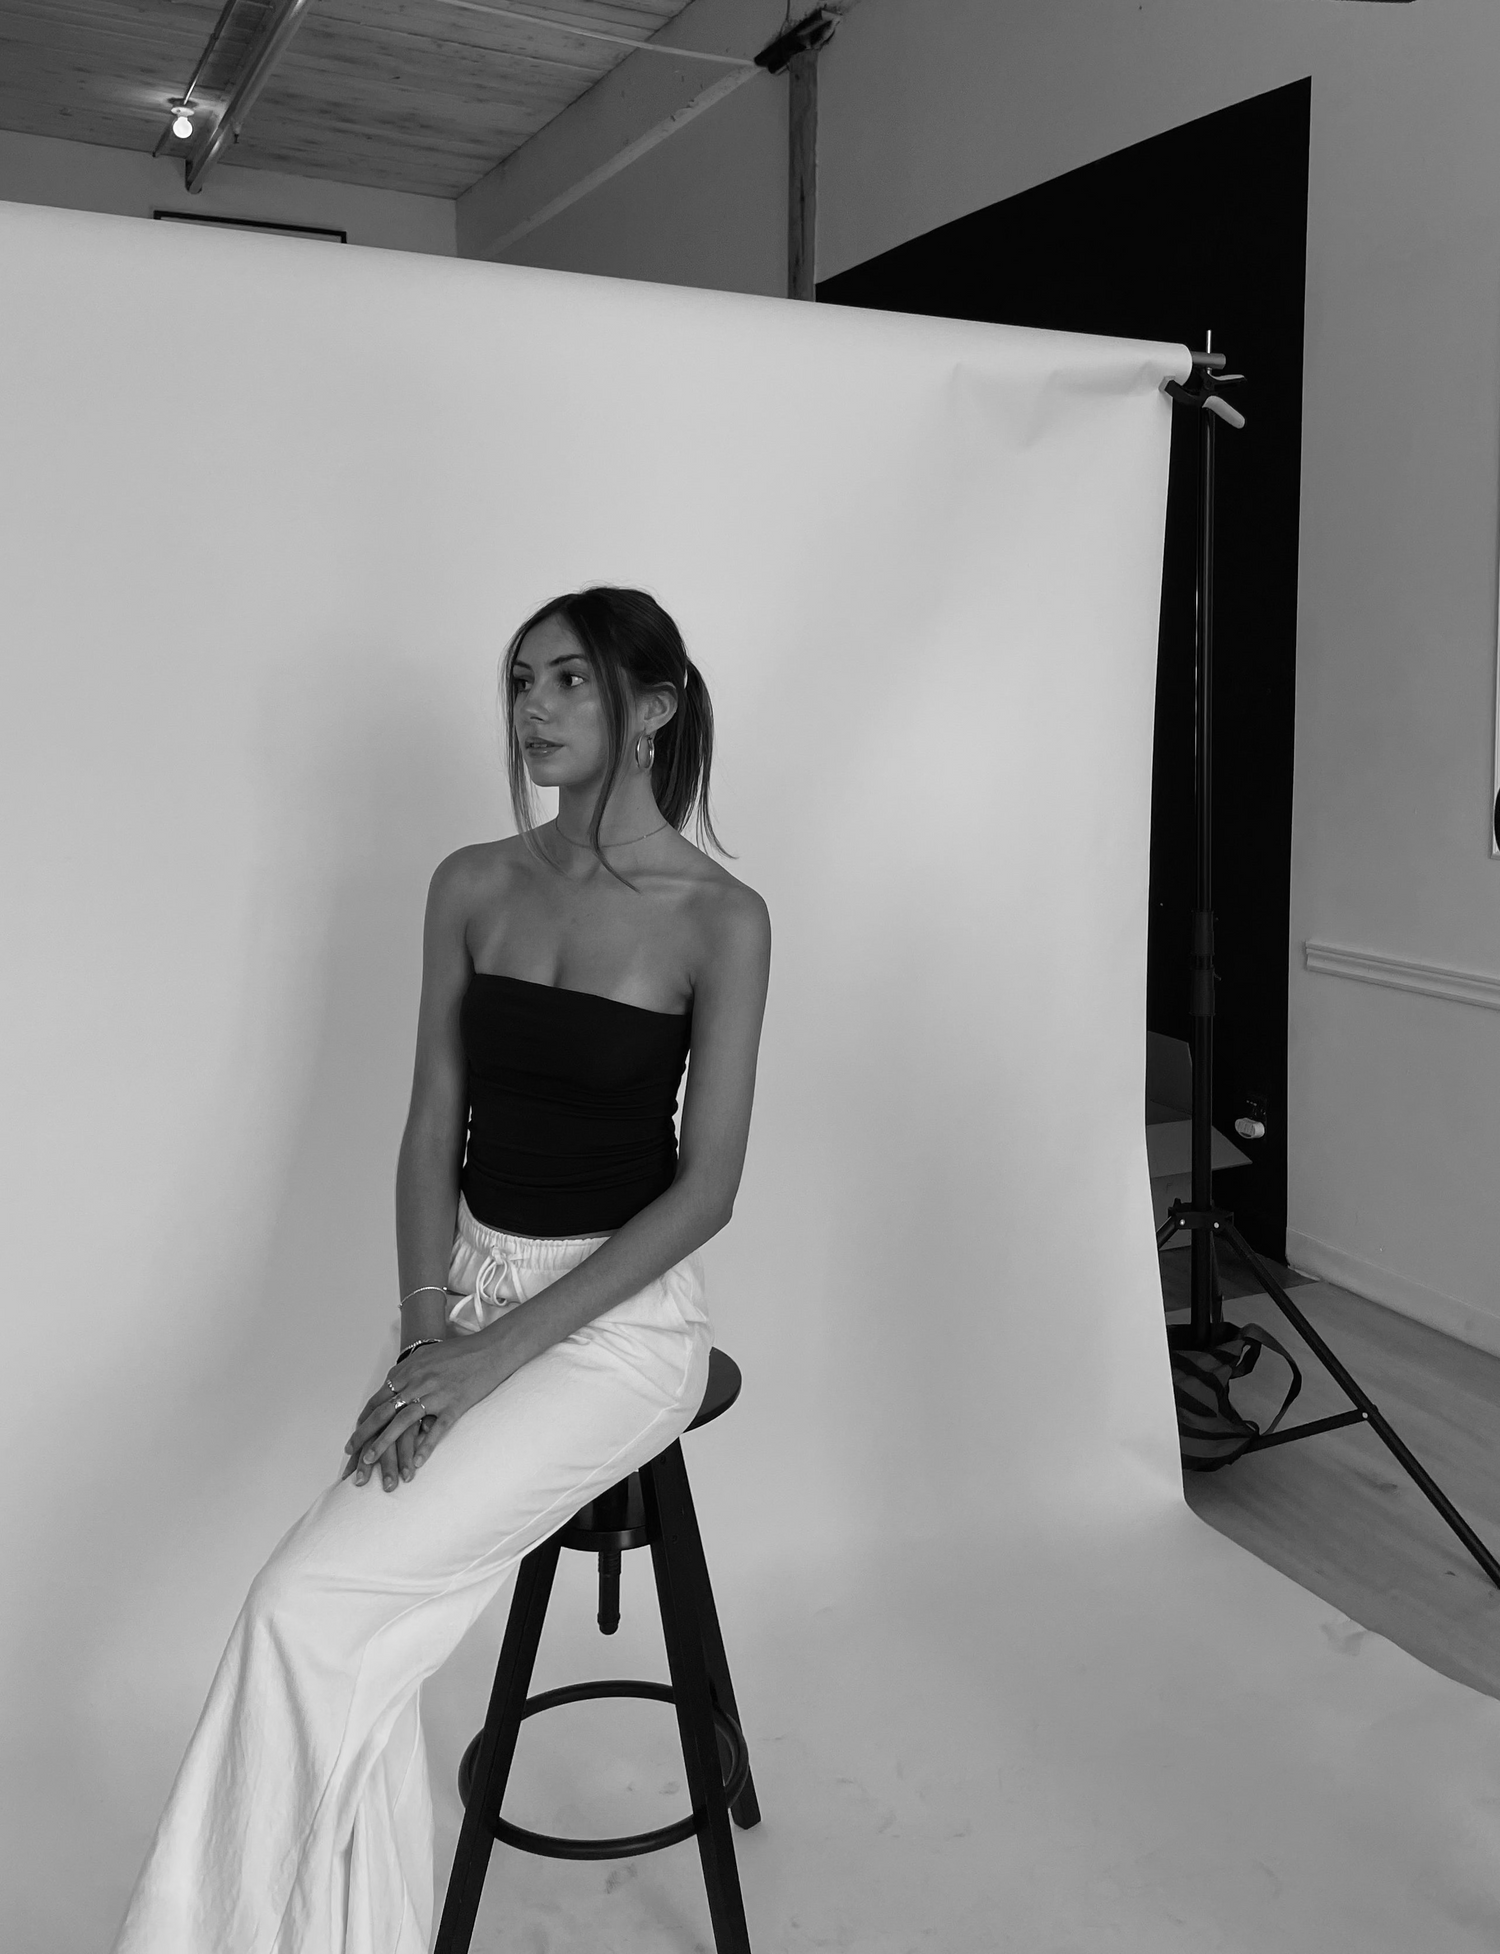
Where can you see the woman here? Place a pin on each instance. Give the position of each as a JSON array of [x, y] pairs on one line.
[[552, 1336]]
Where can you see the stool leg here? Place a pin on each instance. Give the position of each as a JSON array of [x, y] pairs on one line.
[[502, 1724], [746, 1809], [664, 1484]]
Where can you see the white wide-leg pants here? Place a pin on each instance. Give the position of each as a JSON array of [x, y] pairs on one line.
[[300, 1820]]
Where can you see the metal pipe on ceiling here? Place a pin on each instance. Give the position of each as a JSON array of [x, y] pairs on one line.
[[203, 60], [265, 52]]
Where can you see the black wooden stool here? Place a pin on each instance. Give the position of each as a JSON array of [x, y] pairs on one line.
[[654, 1508]]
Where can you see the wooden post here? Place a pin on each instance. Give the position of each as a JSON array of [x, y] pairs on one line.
[[802, 175]]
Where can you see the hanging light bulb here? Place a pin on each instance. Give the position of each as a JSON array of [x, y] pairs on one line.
[[182, 122]]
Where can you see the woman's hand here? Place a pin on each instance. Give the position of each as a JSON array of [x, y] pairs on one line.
[[440, 1382], [390, 1460]]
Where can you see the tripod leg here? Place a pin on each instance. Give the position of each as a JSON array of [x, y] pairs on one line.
[[502, 1724], [1366, 1404]]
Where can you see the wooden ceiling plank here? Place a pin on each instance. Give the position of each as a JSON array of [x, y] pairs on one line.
[[127, 70], [423, 176], [457, 27], [439, 24], [26, 117], [410, 94], [187, 24], [368, 177], [191, 25], [455, 48], [55, 80], [355, 147], [642, 20], [554, 41], [442, 73], [98, 52], [475, 134], [134, 35]]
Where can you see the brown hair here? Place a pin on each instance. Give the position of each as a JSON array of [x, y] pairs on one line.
[[630, 643]]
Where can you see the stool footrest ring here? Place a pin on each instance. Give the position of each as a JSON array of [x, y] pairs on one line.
[[731, 1738]]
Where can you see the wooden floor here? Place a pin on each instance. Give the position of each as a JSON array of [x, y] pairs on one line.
[[1337, 1512]]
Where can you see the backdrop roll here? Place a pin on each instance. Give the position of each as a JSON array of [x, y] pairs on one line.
[[271, 511]]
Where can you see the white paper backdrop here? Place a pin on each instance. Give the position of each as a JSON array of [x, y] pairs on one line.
[[270, 513]]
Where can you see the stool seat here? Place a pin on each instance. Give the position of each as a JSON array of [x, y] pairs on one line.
[[616, 1520], [723, 1387]]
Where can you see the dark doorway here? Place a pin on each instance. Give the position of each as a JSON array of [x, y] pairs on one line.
[[1203, 228]]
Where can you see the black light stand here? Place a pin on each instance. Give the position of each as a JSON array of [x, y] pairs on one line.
[[1208, 1328]]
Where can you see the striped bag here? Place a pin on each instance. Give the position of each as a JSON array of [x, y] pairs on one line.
[[1211, 1431]]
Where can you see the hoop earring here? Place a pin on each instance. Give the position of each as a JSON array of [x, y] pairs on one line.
[[650, 760]]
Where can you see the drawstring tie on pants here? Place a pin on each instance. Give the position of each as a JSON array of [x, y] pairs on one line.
[[487, 1300]]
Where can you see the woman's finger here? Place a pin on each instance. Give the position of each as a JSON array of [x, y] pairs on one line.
[[359, 1440], [436, 1426], [385, 1464], [370, 1427], [406, 1444], [368, 1420], [372, 1446], [384, 1396]]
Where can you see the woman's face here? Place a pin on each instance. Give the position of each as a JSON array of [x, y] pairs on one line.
[[556, 699]]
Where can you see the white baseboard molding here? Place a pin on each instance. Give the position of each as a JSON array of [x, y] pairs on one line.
[[1479, 1328]]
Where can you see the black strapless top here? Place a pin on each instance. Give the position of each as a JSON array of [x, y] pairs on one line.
[[571, 1101]]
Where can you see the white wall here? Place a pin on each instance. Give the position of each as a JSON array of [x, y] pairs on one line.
[[705, 207], [928, 112], [129, 183]]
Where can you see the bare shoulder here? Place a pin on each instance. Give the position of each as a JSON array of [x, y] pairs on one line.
[[467, 870], [734, 921], [735, 906]]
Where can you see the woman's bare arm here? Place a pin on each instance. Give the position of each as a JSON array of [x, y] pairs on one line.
[[431, 1155]]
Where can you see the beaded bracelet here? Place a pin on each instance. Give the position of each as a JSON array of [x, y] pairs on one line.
[[416, 1344], [426, 1285]]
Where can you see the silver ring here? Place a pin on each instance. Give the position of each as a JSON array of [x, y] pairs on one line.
[[391, 1388]]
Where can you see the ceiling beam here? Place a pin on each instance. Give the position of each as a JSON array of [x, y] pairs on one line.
[[797, 53], [260, 58], [802, 175], [184, 100], [627, 112]]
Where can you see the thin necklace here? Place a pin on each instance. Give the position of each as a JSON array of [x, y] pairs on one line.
[[609, 844]]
